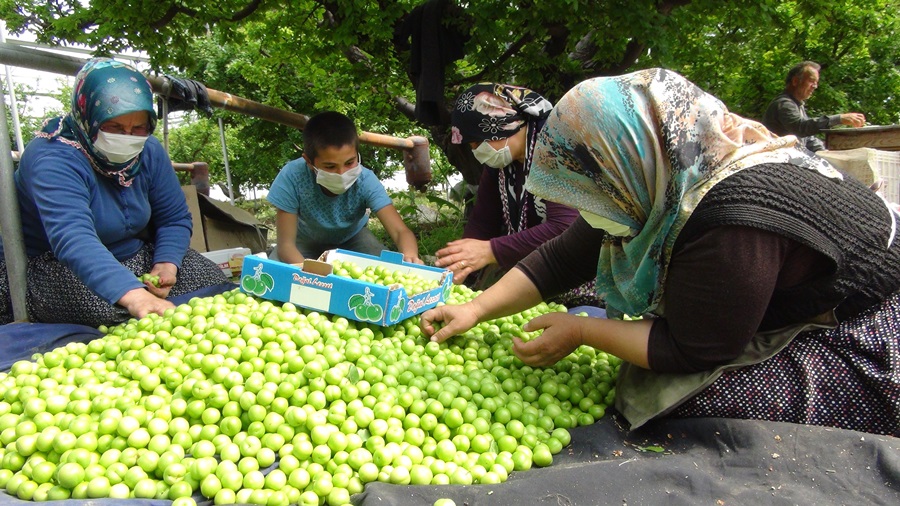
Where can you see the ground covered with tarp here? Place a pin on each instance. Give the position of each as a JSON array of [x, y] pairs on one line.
[[689, 461]]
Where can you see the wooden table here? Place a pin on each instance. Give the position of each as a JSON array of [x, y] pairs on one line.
[[886, 138]]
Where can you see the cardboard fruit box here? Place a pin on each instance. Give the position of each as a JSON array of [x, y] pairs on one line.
[[312, 285], [230, 260]]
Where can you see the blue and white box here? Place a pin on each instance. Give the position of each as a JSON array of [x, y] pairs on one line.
[[312, 285]]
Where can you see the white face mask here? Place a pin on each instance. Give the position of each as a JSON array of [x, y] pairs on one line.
[[496, 158], [337, 183], [119, 148], [611, 227]]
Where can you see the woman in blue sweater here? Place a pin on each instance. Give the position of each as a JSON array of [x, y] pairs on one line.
[[100, 206]]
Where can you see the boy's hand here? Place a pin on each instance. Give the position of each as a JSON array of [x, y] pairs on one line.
[[402, 236]]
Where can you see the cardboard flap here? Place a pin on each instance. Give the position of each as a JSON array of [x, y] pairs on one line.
[[198, 238], [219, 210], [394, 257], [317, 267]]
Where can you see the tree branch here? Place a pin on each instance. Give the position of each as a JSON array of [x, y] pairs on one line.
[[632, 51], [246, 11], [355, 55], [513, 49], [667, 6], [175, 10], [168, 16], [586, 49], [406, 107], [559, 37]]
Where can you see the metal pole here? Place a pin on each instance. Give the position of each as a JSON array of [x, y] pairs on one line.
[[18, 56], [165, 113], [225, 157], [10, 88], [11, 224]]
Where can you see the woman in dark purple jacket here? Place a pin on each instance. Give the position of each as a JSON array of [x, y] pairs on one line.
[[500, 122]]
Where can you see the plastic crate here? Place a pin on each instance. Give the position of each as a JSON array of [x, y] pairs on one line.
[[856, 163], [871, 167], [887, 166]]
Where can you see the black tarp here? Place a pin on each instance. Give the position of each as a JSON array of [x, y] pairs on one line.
[[705, 461]]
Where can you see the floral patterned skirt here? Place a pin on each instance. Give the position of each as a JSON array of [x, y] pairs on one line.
[[846, 377], [56, 295]]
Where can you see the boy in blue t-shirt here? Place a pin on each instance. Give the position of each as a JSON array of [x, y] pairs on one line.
[[323, 198]]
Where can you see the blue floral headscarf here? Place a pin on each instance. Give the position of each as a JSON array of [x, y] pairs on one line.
[[104, 89], [640, 151]]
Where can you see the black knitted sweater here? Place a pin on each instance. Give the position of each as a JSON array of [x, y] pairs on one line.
[[842, 219]]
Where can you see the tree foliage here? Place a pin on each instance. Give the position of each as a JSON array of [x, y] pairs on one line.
[[28, 124], [311, 55]]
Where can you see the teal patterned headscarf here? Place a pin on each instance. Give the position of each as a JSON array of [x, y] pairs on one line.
[[640, 151], [104, 89]]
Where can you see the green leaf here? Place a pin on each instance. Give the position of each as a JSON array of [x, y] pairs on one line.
[[434, 199], [355, 301]]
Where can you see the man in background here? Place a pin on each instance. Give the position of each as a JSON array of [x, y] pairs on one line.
[[786, 115]]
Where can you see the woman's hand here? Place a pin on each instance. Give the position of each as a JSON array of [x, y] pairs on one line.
[[456, 320], [465, 256], [167, 273], [139, 302], [562, 335]]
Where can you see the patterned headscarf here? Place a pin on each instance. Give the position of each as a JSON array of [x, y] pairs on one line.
[[642, 150], [488, 111], [104, 89]]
